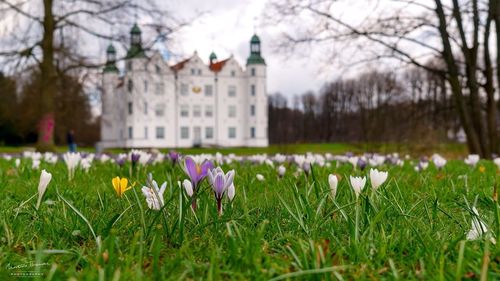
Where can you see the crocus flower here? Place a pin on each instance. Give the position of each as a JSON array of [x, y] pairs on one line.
[[231, 191], [478, 227], [260, 177], [377, 178], [439, 161], [188, 186], [195, 170], [72, 159], [134, 157], [173, 156], [281, 171], [358, 183], [361, 164], [333, 182], [472, 160], [120, 185], [17, 162], [497, 162], [220, 181], [45, 178], [154, 195]]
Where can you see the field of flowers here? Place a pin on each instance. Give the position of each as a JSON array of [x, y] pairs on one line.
[[143, 216]]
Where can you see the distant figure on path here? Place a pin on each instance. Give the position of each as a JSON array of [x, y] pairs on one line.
[[70, 138]]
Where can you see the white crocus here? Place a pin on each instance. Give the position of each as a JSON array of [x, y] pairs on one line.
[[357, 183], [72, 159], [472, 160], [333, 182], [17, 162], [231, 192], [497, 162], [260, 177], [35, 165], [377, 178], [478, 227], [439, 161], [154, 195], [281, 171], [45, 178], [188, 187]]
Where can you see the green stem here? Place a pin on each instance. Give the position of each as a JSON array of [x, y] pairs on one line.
[[356, 230]]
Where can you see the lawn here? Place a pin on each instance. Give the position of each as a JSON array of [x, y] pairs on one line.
[[413, 227]]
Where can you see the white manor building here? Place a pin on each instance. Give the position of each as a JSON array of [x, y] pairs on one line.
[[154, 104]]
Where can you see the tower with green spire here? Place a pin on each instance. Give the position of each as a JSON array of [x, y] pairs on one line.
[[212, 58], [136, 49], [255, 56], [110, 59]]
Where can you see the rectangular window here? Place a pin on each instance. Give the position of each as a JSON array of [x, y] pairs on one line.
[[193, 71], [252, 132], [130, 132], [146, 132], [159, 88], [209, 132], [145, 86], [209, 111], [208, 90], [231, 91], [160, 132], [184, 133], [252, 90], [130, 86], [233, 73], [252, 70], [160, 110], [199, 71], [145, 108], [252, 110], [231, 110], [130, 107], [184, 89], [196, 111], [232, 132], [184, 110]]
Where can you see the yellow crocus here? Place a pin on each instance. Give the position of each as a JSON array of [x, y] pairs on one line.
[[120, 185]]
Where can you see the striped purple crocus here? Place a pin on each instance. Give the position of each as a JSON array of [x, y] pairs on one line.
[[196, 170], [220, 182]]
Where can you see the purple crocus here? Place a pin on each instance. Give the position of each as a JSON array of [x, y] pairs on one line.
[[197, 172], [220, 183], [174, 156], [120, 161], [134, 157], [361, 164]]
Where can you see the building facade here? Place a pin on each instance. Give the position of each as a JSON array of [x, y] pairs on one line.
[[153, 104]]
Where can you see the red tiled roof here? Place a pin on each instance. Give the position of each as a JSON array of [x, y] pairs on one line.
[[216, 67], [180, 65]]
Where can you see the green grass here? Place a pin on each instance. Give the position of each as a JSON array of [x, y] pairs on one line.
[[280, 229]]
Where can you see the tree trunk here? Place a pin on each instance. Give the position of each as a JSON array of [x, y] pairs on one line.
[[454, 80], [49, 79], [491, 110]]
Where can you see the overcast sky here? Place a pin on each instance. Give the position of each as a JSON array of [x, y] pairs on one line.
[[226, 27]]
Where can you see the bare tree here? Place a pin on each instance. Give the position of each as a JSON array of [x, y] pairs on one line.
[[38, 34], [454, 32]]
